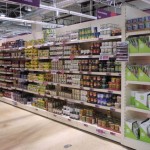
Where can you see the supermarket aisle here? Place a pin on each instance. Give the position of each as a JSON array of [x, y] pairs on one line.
[[22, 130]]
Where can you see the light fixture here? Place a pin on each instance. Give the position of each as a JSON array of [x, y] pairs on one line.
[[66, 11], [82, 15], [29, 21], [146, 1], [27, 8]]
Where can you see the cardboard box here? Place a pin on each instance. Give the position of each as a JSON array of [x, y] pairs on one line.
[[145, 131], [132, 73], [133, 45], [144, 44], [132, 129], [141, 100]]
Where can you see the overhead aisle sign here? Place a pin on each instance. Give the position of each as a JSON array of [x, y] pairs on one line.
[[28, 2]]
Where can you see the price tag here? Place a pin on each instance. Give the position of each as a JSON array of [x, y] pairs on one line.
[[81, 88], [55, 115], [72, 57], [100, 39], [110, 91], [90, 56], [81, 72], [62, 71], [69, 119], [97, 106], [82, 103], [64, 43], [108, 73], [14, 103], [89, 72], [101, 132], [55, 59], [86, 125], [112, 109], [53, 71], [91, 89], [112, 133], [104, 57], [45, 83]]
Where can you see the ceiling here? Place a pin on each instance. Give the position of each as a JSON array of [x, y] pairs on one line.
[[15, 10]]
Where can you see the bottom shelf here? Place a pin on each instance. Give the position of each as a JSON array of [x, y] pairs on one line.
[[136, 144], [66, 120]]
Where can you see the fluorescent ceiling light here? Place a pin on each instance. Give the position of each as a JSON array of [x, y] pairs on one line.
[[82, 15], [146, 1], [67, 11], [29, 21], [54, 9]]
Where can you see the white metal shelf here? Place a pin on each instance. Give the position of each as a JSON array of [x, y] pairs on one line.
[[131, 108], [135, 144], [139, 55], [66, 120], [71, 100], [1, 72], [90, 89], [142, 32], [87, 72], [6, 88], [5, 65], [74, 86], [101, 38], [137, 82], [5, 80], [85, 103]]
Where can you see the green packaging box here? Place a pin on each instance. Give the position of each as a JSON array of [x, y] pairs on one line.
[[132, 98], [132, 129], [144, 47], [131, 73], [145, 131], [133, 45], [141, 100], [144, 73]]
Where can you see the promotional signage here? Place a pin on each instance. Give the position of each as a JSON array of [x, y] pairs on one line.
[[28, 2], [101, 13]]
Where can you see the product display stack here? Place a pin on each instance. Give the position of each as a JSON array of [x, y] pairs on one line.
[[95, 77]]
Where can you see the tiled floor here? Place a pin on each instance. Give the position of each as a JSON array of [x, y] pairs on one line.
[[22, 130]]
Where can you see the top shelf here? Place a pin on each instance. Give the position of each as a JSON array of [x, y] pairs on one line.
[[48, 44], [101, 38], [140, 32]]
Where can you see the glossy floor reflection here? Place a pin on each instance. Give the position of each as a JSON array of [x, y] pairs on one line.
[[22, 130]]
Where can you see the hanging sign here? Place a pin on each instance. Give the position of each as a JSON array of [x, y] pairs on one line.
[[35, 3], [101, 13]]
